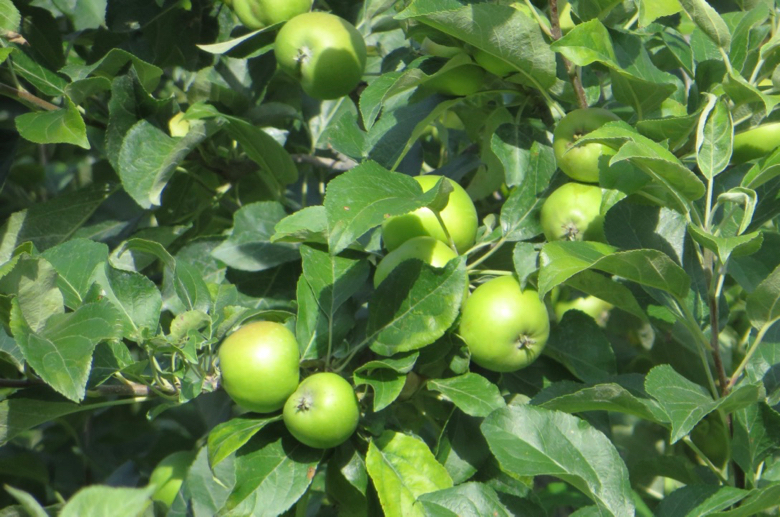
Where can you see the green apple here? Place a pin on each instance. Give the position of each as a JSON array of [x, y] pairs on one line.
[[459, 216], [573, 212], [582, 162], [325, 53], [504, 326], [429, 250]]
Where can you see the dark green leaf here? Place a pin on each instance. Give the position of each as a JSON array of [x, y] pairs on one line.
[[532, 441], [415, 305], [249, 246], [470, 392]]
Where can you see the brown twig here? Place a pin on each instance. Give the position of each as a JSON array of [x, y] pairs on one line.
[[327, 163], [130, 389], [25, 96], [571, 69]]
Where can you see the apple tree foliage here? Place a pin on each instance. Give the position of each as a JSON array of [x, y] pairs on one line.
[[131, 246]]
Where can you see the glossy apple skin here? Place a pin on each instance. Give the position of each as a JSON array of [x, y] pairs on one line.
[[581, 163], [594, 307], [323, 412], [460, 81], [259, 364], [169, 475], [427, 249], [325, 53], [573, 212], [504, 327], [459, 216], [756, 142], [256, 14], [493, 64]]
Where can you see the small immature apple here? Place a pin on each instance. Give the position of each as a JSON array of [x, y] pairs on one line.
[[169, 475], [581, 163], [259, 365], [459, 81], [504, 326], [325, 53], [257, 14], [756, 142], [427, 249], [459, 216], [594, 307], [323, 412], [573, 212]]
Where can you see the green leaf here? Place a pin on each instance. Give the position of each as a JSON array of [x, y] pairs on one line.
[[364, 197], [461, 447], [699, 500], [562, 260], [228, 437], [9, 16], [709, 21], [98, 501], [466, 500], [387, 385], [607, 289], [763, 171], [373, 98], [499, 30], [34, 282], [518, 153], [27, 502], [75, 262], [714, 138], [587, 43], [52, 222], [651, 10], [532, 441], [309, 224], [579, 344], [334, 279], [652, 158], [149, 157], [38, 75], [206, 489], [62, 126], [757, 500], [278, 169], [403, 468], [317, 330], [623, 395], [136, 298], [470, 392], [113, 63], [726, 247], [756, 436], [762, 304], [414, 306], [525, 259], [249, 246], [686, 403], [272, 472], [61, 352], [520, 212]]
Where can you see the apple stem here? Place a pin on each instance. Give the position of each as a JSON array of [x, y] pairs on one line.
[[571, 69]]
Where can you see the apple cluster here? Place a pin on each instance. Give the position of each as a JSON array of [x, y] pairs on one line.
[[259, 366], [573, 210]]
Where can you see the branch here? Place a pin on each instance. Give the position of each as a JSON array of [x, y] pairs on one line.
[[25, 96], [327, 163], [571, 69], [130, 389]]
